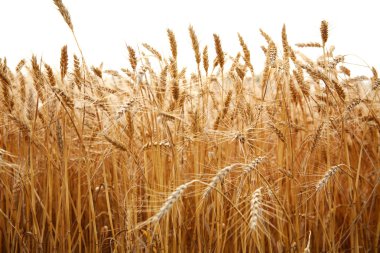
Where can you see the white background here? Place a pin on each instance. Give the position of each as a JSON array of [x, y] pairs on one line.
[[105, 27]]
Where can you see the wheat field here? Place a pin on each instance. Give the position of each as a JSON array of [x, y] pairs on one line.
[[158, 159]]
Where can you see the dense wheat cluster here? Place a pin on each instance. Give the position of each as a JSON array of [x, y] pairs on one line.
[[162, 160]]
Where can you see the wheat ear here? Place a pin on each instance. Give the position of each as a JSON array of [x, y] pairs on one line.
[[256, 204], [253, 165], [171, 200], [218, 178], [327, 176], [324, 31], [64, 12]]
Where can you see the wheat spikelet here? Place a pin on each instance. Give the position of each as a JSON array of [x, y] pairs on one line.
[[50, 75], [353, 104], [266, 36], [265, 50], [315, 74], [324, 31], [195, 44], [241, 71], [247, 54], [217, 122], [20, 124], [327, 176], [205, 59], [340, 91], [20, 65], [253, 165], [130, 128], [357, 79], [163, 143], [98, 72], [173, 70], [162, 84], [170, 201], [292, 54], [223, 113], [375, 79], [256, 209], [345, 70], [219, 51], [220, 175], [298, 74], [58, 131], [285, 46], [6, 86], [30, 107], [112, 73], [374, 73], [64, 62], [309, 44], [77, 72], [294, 92], [153, 51], [115, 143], [132, 57], [174, 82], [227, 103], [195, 126], [277, 132], [64, 97], [37, 78], [272, 54], [22, 83], [64, 12], [317, 136], [265, 77], [173, 43]]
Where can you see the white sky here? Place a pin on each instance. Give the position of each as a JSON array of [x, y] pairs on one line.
[[104, 27]]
